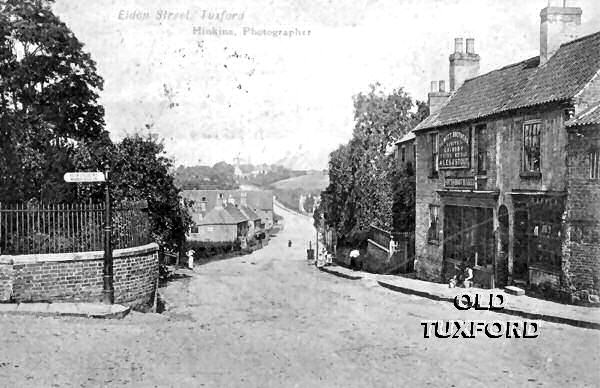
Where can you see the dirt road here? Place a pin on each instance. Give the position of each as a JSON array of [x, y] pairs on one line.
[[270, 320]]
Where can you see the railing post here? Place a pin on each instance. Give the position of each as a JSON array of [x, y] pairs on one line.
[[108, 291]]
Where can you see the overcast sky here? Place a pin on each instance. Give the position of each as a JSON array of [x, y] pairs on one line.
[[282, 99]]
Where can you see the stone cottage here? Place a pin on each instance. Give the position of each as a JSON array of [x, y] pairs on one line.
[[507, 166]]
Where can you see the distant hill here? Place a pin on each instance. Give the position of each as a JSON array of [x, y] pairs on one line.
[[309, 183]]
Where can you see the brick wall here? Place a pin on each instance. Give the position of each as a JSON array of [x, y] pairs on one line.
[[377, 258], [581, 250], [77, 277], [6, 280]]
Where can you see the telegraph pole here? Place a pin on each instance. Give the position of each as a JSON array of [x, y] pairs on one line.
[[108, 292]]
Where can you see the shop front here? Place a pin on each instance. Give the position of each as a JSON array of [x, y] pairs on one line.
[[468, 231], [538, 234]]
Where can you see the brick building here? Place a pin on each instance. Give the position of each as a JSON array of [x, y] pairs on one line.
[[507, 165]]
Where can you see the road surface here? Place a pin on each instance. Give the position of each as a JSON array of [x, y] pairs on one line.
[[270, 320]]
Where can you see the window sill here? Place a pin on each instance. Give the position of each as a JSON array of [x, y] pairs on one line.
[[530, 174], [548, 268]]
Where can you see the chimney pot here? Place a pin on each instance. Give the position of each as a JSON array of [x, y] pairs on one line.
[[434, 86], [442, 84], [470, 46], [458, 45]]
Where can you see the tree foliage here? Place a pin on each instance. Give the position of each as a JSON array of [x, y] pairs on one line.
[[51, 122], [141, 171], [362, 174], [220, 176], [48, 100]]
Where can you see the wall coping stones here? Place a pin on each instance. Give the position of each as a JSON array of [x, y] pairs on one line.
[[77, 256]]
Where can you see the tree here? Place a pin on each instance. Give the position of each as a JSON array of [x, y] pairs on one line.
[[48, 101], [361, 175], [140, 171]]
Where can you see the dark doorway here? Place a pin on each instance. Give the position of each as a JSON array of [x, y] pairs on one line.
[[521, 245]]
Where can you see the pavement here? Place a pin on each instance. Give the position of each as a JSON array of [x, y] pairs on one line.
[[88, 310], [523, 305]]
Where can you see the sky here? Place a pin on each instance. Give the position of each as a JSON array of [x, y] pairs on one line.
[[197, 72]]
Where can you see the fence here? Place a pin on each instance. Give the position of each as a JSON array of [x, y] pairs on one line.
[[383, 237], [32, 228]]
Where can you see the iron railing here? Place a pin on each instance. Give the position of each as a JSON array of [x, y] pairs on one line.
[[35, 228]]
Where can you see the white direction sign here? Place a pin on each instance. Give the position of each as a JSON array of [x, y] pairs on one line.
[[78, 177]]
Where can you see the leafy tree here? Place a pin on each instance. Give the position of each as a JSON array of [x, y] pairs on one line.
[[140, 171], [362, 189], [220, 176], [48, 101]]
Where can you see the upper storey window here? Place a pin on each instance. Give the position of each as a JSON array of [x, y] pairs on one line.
[[531, 147]]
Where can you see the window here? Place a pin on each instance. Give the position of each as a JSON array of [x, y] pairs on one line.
[[481, 133], [594, 157], [468, 234], [433, 139], [403, 154], [194, 229], [433, 234], [531, 147]]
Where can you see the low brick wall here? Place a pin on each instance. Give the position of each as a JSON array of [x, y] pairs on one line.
[[77, 277]]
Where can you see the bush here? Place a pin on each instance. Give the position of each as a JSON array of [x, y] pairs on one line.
[[206, 249]]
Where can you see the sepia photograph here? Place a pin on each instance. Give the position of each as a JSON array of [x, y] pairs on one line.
[[299, 193]]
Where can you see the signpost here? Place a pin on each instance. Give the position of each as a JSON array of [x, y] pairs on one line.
[[108, 292]]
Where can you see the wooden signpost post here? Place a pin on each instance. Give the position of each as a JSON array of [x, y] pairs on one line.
[[108, 291]]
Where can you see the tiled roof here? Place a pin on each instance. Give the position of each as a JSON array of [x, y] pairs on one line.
[[523, 84], [249, 213], [255, 199], [236, 214], [590, 116], [218, 216], [410, 135]]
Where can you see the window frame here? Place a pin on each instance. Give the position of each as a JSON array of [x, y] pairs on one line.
[[482, 149], [593, 157], [525, 170], [434, 154], [435, 239]]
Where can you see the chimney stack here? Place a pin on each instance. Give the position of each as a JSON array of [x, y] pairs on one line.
[[470, 46], [463, 66], [437, 96], [559, 24], [458, 45]]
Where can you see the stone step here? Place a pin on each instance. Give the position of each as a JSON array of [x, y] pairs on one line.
[[513, 290]]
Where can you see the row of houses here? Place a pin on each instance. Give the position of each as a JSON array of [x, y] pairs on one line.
[[507, 165], [229, 215]]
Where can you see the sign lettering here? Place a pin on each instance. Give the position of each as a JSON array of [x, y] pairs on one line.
[[80, 177], [455, 150], [463, 182]]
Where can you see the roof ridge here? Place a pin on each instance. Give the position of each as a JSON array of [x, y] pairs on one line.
[[503, 68], [580, 38], [590, 111]]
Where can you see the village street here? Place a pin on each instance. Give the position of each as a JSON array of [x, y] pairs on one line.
[[270, 320]]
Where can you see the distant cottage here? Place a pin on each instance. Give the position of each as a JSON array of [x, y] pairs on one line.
[[507, 166], [229, 215]]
